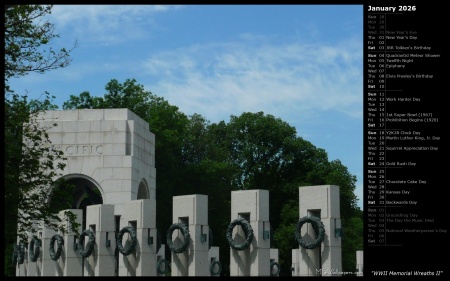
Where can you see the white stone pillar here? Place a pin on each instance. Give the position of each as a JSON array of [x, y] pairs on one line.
[[162, 262], [70, 261], [214, 260], [100, 220], [141, 215], [274, 264], [321, 201], [49, 266], [33, 268], [360, 262], [191, 210], [295, 267], [253, 206]]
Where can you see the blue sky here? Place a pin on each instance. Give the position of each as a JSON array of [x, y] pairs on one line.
[[301, 63]]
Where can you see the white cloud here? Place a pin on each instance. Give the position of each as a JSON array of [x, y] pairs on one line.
[[223, 79], [106, 24]]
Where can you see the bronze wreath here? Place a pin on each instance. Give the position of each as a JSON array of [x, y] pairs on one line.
[[86, 252], [60, 241], [187, 237], [35, 248], [211, 268], [132, 247], [272, 265], [166, 266], [248, 230], [318, 227]]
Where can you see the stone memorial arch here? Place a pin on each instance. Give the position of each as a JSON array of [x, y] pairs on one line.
[[111, 162], [110, 154]]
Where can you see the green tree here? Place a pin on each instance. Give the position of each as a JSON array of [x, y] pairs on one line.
[[352, 240], [259, 145], [31, 163], [127, 95], [26, 35]]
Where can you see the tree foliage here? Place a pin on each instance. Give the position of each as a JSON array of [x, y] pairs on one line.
[[260, 147], [26, 34]]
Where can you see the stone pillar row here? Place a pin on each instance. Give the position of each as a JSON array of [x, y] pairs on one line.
[[62, 253]]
